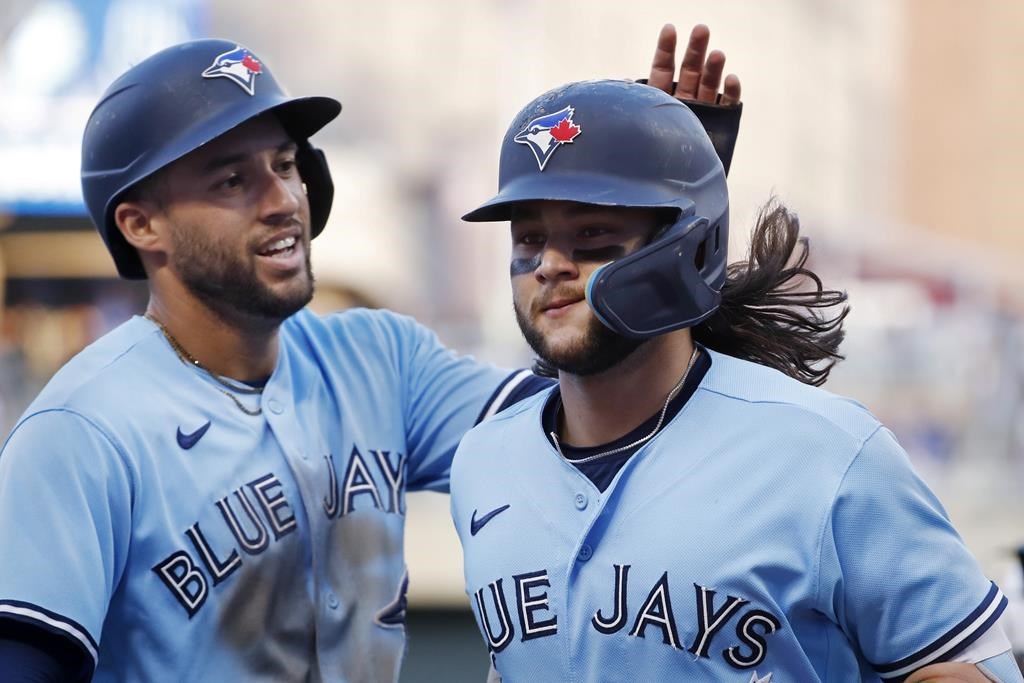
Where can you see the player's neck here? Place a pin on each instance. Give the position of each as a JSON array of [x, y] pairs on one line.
[[597, 409], [230, 346]]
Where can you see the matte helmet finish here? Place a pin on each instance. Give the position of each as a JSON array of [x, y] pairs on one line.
[[173, 103], [621, 143]]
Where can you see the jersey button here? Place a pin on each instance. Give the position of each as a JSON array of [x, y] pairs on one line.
[[275, 406], [332, 600], [586, 552], [581, 501]]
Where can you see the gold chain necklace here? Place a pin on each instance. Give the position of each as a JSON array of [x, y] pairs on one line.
[[188, 359], [644, 439]]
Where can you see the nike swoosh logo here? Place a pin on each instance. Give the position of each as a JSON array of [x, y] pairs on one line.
[[187, 441], [475, 525]]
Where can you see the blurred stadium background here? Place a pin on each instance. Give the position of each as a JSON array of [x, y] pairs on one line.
[[892, 127]]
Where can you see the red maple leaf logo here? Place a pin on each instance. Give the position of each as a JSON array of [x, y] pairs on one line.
[[565, 131], [251, 64]]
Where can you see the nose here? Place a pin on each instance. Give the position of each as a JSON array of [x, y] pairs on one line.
[[281, 199], [555, 264]]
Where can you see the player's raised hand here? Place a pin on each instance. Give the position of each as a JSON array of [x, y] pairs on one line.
[[700, 73]]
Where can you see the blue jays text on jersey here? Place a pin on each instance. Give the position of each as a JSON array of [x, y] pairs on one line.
[[171, 536], [770, 529]]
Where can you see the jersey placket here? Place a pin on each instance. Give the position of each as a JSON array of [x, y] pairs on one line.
[[282, 417]]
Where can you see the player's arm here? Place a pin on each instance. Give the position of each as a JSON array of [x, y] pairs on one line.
[[65, 517], [959, 672], [912, 617], [442, 394], [698, 82]]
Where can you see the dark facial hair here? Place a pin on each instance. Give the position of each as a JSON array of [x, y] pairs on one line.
[[228, 284], [600, 349]]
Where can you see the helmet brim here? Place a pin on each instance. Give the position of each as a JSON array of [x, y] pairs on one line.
[[583, 188], [302, 117]]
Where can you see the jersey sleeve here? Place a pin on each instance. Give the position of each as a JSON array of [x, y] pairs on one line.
[[444, 396], [895, 574], [65, 509]]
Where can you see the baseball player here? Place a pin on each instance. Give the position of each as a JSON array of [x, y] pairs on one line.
[[215, 490], [686, 504]]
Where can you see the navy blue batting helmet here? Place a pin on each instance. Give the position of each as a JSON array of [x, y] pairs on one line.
[[620, 143], [173, 103]]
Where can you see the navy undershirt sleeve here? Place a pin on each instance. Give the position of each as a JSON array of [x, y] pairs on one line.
[[30, 655]]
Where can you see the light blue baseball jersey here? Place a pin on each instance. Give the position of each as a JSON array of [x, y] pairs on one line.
[[173, 537], [770, 532]]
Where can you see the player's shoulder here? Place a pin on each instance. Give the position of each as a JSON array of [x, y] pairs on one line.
[[523, 416], [756, 387], [111, 369], [99, 390]]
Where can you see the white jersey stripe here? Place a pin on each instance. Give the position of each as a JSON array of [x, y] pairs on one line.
[[993, 605], [509, 387], [36, 615]]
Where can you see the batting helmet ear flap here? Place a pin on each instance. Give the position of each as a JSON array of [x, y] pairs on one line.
[[660, 287], [316, 177]]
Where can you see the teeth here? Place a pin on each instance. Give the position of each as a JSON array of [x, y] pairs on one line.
[[281, 244]]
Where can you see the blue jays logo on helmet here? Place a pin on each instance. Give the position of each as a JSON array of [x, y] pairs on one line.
[[238, 65], [545, 134]]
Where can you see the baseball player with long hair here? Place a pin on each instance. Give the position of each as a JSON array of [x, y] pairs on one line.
[[216, 490], [687, 504]]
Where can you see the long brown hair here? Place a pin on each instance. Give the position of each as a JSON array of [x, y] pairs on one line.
[[775, 311]]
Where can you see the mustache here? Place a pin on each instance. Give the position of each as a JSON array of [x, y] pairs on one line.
[[558, 293]]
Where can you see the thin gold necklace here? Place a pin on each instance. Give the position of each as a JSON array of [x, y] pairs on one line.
[[644, 439], [188, 359]]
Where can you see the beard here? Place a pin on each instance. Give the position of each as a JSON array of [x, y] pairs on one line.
[[598, 350], [229, 285]]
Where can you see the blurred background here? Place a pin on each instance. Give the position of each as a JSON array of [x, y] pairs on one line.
[[892, 127]]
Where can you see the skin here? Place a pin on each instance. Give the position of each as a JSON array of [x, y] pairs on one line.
[[568, 242], [700, 73], [200, 228], [949, 672]]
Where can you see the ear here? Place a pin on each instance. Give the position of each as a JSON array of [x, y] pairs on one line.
[[138, 221]]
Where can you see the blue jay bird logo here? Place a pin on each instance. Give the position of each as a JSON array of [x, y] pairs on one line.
[[238, 65], [547, 133]]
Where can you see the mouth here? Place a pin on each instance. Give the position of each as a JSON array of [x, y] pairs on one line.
[[282, 247], [283, 252], [559, 307]]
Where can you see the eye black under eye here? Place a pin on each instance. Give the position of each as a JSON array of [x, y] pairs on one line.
[[609, 253]]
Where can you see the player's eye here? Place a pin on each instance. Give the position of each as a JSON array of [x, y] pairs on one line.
[[528, 239], [231, 182], [593, 231], [286, 165]]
